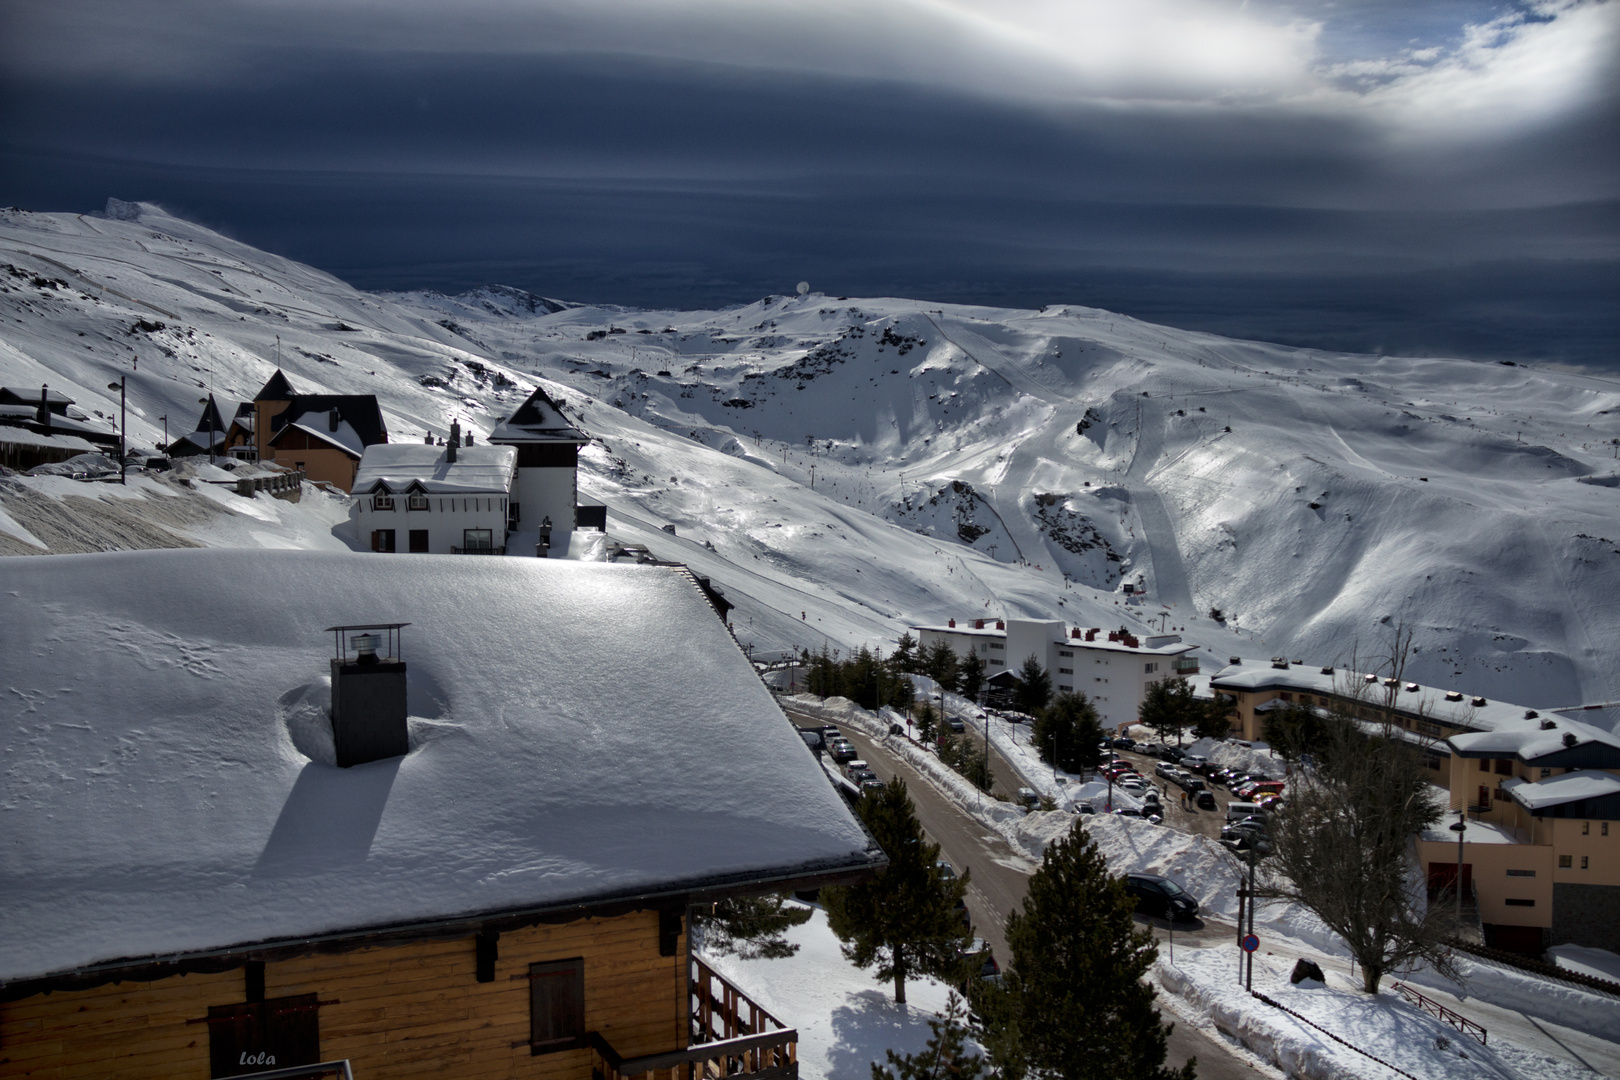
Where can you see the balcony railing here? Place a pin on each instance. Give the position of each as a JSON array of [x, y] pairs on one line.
[[730, 1036], [478, 551]]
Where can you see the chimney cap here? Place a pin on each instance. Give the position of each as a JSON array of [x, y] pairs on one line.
[[395, 637]]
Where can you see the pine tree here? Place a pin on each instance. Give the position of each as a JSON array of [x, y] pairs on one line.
[[945, 1056], [753, 927], [1213, 721], [927, 722], [940, 664], [971, 677], [1034, 686], [1169, 707], [1067, 732], [1072, 1002], [904, 657], [903, 921]]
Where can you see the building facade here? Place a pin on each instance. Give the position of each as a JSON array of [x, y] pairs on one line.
[[322, 435], [438, 500], [547, 490], [1112, 669]]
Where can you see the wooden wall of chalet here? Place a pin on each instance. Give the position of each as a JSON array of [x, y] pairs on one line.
[[322, 462], [412, 1010]]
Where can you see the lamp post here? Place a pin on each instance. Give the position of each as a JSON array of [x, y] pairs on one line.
[[123, 424], [165, 420], [1460, 828]]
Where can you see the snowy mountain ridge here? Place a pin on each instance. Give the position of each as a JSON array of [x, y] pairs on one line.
[[847, 467]]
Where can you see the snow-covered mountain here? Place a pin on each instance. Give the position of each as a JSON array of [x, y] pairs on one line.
[[844, 467]]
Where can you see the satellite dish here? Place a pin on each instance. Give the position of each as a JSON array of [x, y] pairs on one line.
[[804, 287]]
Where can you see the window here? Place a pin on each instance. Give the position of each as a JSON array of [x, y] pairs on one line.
[[1065, 671], [1521, 873], [382, 540], [382, 502], [1286, 696], [259, 1035], [1586, 828], [1604, 828], [1584, 859], [1504, 766], [1423, 726], [1511, 902], [419, 541], [993, 645], [1066, 689], [417, 502], [1546, 773], [1148, 669], [476, 540], [1565, 861], [556, 1005], [1065, 652]]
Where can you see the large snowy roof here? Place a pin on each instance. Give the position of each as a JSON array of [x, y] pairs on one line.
[[581, 732], [1427, 700], [1538, 740], [476, 468], [1568, 788]]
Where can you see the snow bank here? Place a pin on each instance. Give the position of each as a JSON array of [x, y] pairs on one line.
[[1584, 1010], [1598, 963], [1381, 1025], [1255, 758]]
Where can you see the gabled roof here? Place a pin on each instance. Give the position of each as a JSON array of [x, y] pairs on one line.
[[537, 420], [1567, 788], [312, 412], [394, 467], [556, 707], [277, 389], [212, 419], [1554, 742], [54, 400]]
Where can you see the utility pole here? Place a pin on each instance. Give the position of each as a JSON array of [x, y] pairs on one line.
[[209, 401], [1460, 828], [165, 419], [123, 426]]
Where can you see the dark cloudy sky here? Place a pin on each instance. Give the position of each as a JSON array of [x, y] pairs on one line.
[[1398, 175]]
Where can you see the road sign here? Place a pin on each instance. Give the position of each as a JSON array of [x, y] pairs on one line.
[[1250, 943]]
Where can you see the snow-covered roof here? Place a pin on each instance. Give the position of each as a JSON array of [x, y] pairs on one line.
[[1428, 701], [1537, 740], [21, 436], [1570, 787], [1171, 644], [160, 796], [397, 465], [1478, 832], [345, 438]]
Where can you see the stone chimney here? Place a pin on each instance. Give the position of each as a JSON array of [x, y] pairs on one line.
[[452, 443]]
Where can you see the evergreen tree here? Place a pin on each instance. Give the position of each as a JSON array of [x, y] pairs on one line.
[[753, 927], [1295, 730], [1067, 732], [903, 921], [971, 677], [860, 679], [1072, 1002], [824, 677], [1169, 707], [946, 1057], [905, 654], [940, 664], [1034, 686], [1213, 721]]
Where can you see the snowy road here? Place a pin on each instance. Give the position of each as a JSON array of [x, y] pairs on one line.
[[1000, 880]]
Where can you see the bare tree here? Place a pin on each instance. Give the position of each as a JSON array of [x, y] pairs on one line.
[[1343, 844]]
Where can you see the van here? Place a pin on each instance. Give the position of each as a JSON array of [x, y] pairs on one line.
[[1237, 811]]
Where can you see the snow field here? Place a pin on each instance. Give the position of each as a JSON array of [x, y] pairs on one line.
[[1383, 1026], [846, 1019]]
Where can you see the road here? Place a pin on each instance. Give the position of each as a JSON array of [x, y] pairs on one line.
[[1000, 879]]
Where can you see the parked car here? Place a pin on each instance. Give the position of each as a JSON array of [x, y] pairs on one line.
[[955, 724], [1190, 783], [1205, 800], [871, 784], [829, 732], [1028, 798], [1150, 799], [1165, 769], [1084, 808], [842, 751], [1157, 895], [1125, 742], [1173, 754], [978, 962], [1135, 786], [946, 870], [1128, 811], [1193, 761]]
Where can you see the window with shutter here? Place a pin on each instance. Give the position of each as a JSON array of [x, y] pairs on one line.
[[260, 1035], [556, 1005]]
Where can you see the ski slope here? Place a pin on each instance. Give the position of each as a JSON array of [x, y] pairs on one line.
[[845, 467]]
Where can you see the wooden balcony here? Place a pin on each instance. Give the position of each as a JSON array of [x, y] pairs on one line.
[[731, 1036]]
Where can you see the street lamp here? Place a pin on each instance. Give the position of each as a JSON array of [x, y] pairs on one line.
[[123, 423], [1460, 828], [165, 420]]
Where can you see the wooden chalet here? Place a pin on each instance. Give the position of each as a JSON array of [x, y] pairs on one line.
[[461, 841], [322, 435]]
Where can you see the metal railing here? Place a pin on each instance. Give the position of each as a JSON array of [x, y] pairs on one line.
[[1439, 1011], [768, 1056], [478, 551], [306, 1072]]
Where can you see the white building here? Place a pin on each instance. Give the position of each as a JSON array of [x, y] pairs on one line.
[[438, 500], [1111, 669], [547, 458]]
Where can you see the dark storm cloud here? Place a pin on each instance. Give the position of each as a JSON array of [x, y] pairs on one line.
[[578, 159]]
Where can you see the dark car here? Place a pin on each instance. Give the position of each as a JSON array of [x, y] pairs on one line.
[[841, 752], [1206, 801], [978, 962], [954, 723], [1125, 743], [1160, 896], [1171, 754]]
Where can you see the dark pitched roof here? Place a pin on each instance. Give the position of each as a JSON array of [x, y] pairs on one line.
[[277, 389], [360, 411], [211, 419], [538, 419], [56, 402]]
